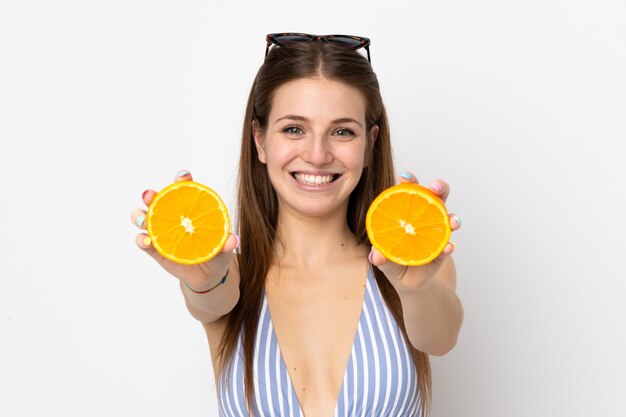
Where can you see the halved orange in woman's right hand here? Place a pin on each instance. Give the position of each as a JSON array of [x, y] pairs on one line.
[[408, 224], [188, 223]]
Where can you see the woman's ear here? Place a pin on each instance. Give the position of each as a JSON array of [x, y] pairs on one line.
[[259, 140], [372, 135]]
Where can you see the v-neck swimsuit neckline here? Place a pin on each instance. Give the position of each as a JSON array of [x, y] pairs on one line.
[[283, 364], [379, 379]]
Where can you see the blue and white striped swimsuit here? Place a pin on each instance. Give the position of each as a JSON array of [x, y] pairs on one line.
[[380, 379]]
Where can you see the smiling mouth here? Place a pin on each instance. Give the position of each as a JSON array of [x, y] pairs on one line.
[[308, 179]]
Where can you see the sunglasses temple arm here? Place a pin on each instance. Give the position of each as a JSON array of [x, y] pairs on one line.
[[267, 49]]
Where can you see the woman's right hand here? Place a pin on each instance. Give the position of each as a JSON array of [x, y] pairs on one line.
[[199, 277]]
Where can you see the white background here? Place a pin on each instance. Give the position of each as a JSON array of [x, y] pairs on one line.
[[520, 106]]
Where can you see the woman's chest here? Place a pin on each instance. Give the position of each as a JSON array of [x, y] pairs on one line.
[[324, 358], [315, 329]]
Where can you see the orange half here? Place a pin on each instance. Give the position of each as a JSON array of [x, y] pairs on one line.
[[408, 224], [188, 223]]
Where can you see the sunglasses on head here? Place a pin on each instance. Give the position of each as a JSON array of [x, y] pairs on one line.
[[350, 41]]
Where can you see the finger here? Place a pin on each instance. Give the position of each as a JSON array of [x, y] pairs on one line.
[[231, 244], [144, 243], [455, 221], [390, 269], [441, 188], [183, 175], [138, 217], [147, 196], [407, 177], [447, 251]]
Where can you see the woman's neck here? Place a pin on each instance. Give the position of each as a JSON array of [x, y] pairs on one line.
[[310, 242]]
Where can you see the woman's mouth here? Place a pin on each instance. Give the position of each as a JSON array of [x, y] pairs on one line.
[[310, 179]]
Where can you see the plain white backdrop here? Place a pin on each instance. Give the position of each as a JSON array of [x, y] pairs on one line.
[[518, 105]]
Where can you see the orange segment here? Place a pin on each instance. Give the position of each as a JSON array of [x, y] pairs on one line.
[[188, 223], [408, 224]]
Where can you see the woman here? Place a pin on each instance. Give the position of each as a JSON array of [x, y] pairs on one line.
[[306, 319]]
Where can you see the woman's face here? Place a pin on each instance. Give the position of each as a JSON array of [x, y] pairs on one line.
[[314, 145]]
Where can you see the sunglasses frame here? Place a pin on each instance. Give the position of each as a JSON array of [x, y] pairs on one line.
[[272, 38]]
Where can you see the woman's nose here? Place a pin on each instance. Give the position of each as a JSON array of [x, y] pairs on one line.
[[317, 151]]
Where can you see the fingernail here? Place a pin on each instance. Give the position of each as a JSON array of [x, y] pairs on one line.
[[453, 245], [144, 194], [406, 175], [437, 186], [147, 241], [458, 219], [140, 219], [183, 173], [369, 257], [238, 240]]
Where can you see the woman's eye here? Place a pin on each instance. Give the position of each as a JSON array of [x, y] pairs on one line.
[[344, 132], [292, 130]]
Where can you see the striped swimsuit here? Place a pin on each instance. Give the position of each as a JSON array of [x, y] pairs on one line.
[[380, 379]]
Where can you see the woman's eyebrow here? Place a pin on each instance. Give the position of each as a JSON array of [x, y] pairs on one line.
[[292, 117], [304, 119], [347, 120]]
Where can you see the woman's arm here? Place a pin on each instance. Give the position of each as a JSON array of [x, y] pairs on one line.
[[431, 309], [432, 312], [210, 306]]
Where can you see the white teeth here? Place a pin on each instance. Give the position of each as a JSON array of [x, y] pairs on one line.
[[313, 179]]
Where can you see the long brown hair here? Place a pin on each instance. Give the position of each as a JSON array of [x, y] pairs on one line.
[[258, 205]]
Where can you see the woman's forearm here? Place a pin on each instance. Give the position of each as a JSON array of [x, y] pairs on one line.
[[218, 302], [433, 313]]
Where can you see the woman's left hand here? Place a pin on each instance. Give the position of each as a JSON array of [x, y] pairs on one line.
[[413, 277]]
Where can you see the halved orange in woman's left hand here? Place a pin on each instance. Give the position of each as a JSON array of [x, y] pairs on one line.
[[408, 224]]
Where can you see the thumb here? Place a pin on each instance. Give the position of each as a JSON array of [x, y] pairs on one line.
[[391, 270], [221, 261], [232, 243]]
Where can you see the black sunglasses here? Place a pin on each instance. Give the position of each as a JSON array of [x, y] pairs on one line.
[[350, 41]]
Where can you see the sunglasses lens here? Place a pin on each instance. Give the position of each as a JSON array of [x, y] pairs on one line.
[[344, 40], [290, 38]]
